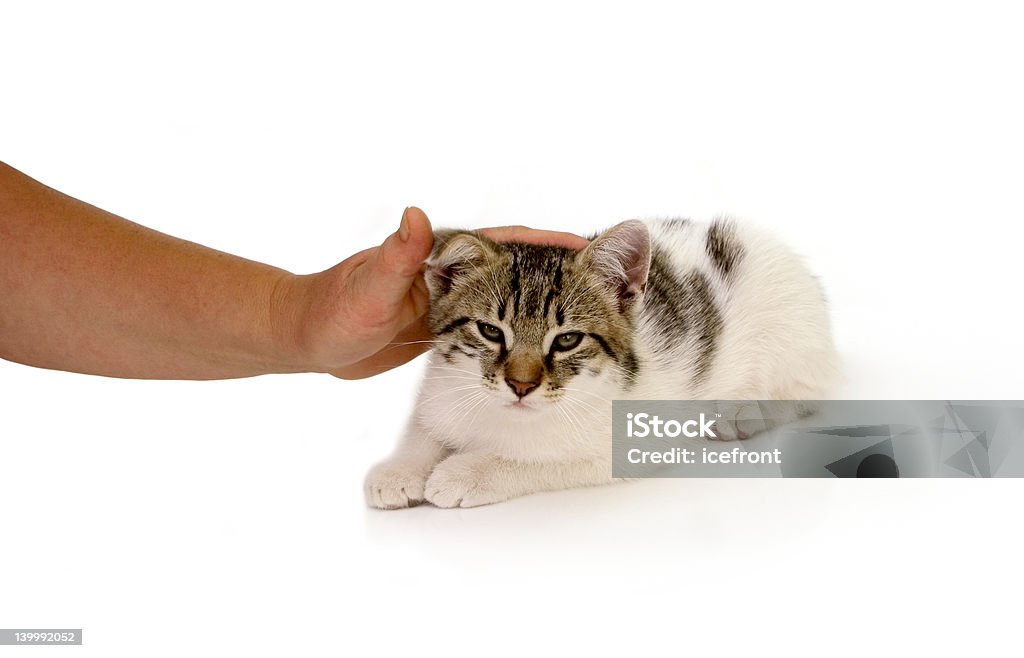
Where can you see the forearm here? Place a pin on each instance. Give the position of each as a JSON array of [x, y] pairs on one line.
[[87, 291]]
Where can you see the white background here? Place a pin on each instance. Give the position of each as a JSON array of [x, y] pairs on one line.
[[882, 140]]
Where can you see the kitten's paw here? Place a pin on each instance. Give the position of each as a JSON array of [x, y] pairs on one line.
[[465, 481], [395, 484], [738, 421], [726, 430]]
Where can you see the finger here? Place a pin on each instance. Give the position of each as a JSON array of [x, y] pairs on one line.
[[389, 272], [535, 236]]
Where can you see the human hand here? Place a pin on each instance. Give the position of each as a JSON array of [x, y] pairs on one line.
[[366, 315]]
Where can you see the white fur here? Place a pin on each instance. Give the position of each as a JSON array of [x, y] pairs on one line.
[[465, 446]]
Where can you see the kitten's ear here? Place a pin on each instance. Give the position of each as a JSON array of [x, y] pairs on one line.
[[621, 257], [455, 253]]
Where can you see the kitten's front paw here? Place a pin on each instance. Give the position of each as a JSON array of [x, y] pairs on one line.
[[395, 484], [738, 420], [465, 481], [726, 430]]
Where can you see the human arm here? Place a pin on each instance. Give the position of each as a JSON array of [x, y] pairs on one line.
[[84, 290]]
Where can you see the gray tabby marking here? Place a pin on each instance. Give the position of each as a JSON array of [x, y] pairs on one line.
[[684, 308], [723, 247]]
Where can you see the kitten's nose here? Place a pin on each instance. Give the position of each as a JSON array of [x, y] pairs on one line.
[[522, 389]]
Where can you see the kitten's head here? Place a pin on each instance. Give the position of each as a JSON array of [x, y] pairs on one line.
[[535, 321]]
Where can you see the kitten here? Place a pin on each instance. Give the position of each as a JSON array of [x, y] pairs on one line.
[[534, 342]]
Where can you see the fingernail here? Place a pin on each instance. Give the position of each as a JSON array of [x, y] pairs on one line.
[[403, 228]]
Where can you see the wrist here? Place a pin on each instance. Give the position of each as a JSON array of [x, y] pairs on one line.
[[289, 303]]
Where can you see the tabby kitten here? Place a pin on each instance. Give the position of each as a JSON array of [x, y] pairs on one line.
[[534, 342]]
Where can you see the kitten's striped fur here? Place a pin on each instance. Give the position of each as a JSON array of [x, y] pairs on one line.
[[668, 309]]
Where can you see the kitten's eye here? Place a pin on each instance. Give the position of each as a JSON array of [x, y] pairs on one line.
[[565, 342], [490, 332]]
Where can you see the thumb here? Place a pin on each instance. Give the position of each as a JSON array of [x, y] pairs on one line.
[[394, 267]]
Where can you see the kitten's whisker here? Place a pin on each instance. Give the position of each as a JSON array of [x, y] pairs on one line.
[[571, 420], [446, 391], [384, 367], [440, 431], [586, 405], [565, 419], [416, 342], [581, 410], [589, 404], [586, 411], [461, 403], [454, 369], [580, 390], [570, 425], [574, 425], [457, 413], [479, 408]]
